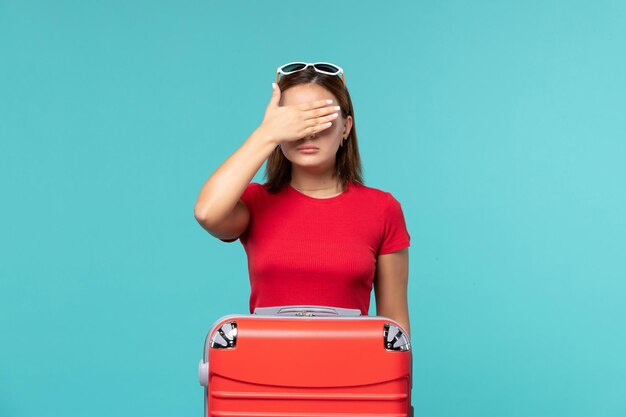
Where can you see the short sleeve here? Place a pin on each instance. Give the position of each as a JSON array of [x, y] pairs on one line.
[[395, 234], [250, 198]]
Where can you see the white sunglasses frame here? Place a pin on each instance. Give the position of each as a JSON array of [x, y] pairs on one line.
[[279, 70]]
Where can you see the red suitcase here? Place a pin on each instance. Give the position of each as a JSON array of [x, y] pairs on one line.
[[306, 361]]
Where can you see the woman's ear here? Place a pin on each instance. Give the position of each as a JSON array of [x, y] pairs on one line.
[[347, 127]]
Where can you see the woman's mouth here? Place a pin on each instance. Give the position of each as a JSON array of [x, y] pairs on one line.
[[308, 149]]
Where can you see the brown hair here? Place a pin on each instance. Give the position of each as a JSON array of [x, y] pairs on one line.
[[347, 159]]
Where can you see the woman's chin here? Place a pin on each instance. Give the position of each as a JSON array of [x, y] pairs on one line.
[[306, 161]]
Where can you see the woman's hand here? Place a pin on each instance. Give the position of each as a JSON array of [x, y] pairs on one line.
[[290, 123]]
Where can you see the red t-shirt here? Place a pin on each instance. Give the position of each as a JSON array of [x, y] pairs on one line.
[[318, 251]]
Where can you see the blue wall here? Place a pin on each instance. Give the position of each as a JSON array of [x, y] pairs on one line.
[[499, 126]]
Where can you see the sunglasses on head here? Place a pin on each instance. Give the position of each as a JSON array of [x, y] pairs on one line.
[[323, 67]]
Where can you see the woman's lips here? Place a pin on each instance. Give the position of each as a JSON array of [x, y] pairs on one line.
[[308, 149]]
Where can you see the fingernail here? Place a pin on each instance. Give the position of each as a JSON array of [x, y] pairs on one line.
[[273, 86]]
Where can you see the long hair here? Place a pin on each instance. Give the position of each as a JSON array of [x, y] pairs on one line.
[[347, 159]]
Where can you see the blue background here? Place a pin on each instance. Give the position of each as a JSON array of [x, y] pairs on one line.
[[499, 126]]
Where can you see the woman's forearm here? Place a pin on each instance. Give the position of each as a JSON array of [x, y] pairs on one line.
[[224, 187]]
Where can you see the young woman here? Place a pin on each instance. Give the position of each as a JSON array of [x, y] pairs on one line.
[[314, 234]]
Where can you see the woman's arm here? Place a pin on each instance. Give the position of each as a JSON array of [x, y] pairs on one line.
[[218, 209], [390, 287]]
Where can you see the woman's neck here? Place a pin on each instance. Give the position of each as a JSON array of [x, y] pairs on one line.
[[315, 185]]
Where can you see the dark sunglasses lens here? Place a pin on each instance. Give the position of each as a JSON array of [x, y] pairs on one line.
[[293, 67], [327, 68]]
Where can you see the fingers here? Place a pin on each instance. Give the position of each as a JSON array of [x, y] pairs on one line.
[[313, 104], [275, 95], [305, 118], [323, 119], [323, 111], [316, 128], [318, 124]]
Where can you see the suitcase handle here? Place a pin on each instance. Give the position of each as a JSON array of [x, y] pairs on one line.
[[307, 311]]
